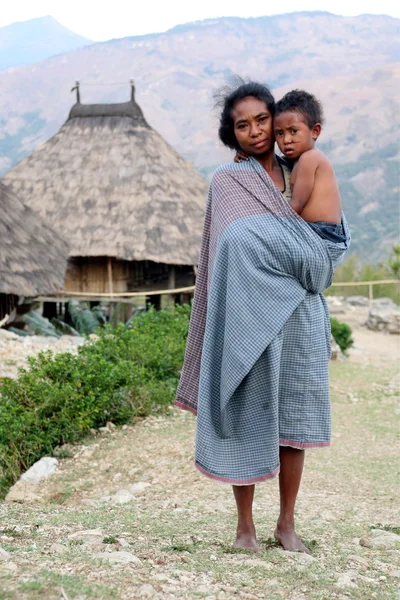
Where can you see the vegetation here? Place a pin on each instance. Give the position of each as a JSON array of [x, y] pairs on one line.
[[127, 372], [342, 334]]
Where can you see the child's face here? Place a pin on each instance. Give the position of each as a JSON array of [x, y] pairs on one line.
[[293, 135]]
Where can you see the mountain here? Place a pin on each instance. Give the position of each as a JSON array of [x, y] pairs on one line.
[[349, 62], [27, 42]]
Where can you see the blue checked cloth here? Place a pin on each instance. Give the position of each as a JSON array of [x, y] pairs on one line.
[[256, 361]]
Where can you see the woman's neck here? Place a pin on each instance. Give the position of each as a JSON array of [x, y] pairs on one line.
[[268, 160]]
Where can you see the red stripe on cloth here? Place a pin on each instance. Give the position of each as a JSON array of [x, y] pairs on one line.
[[301, 446], [238, 481], [185, 407]]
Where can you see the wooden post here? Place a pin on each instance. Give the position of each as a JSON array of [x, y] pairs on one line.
[[110, 278], [370, 294], [171, 283]]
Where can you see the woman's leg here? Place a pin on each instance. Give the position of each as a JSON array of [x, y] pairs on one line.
[[292, 461], [246, 532]]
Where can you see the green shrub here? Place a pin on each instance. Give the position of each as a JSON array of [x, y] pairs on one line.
[[342, 334], [126, 373]]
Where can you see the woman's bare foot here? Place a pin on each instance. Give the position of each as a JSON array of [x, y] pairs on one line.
[[248, 541], [289, 540]]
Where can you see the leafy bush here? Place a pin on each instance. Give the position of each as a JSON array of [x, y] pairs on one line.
[[126, 373], [342, 334]]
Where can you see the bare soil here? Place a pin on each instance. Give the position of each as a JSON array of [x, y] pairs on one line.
[[181, 526]]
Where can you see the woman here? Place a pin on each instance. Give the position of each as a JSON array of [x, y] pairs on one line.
[[256, 360]]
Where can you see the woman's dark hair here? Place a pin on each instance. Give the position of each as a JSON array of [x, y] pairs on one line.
[[228, 96], [303, 103]]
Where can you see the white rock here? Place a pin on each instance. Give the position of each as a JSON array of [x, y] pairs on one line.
[[345, 580], [121, 557], [301, 557], [146, 591], [359, 559], [139, 487], [122, 497], [123, 542], [394, 574], [4, 555], [42, 469], [91, 537], [380, 538], [23, 492]]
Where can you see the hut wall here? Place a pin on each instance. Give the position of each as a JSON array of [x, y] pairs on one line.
[[92, 275]]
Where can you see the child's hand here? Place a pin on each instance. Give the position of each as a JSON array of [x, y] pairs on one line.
[[240, 156]]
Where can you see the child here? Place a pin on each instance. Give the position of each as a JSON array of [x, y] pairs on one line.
[[315, 193]]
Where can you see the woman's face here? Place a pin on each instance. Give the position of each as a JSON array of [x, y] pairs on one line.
[[253, 126]]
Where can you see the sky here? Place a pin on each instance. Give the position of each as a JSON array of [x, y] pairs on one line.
[[97, 21]]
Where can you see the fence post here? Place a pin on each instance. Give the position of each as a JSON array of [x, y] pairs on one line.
[[370, 294]]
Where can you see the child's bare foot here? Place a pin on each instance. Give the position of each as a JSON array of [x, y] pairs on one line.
[[247, 540], [289, 540]]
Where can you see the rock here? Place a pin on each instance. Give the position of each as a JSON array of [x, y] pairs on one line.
[[346, 580], [4, 555], [146, 591], [27, 488], [384, 319], [42, 469], [9, 335], [301, 557], [23, 492], [380, 538], [359, 560], [57, 548], [384, 303], [124, 427], [104, 430], [356, 300], [139, 487], [91, 537], [111, 425], [122, 542], [122, 557], [394, 573], [122, 497]]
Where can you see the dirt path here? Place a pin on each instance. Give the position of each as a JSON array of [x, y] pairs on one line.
[[175, 534]]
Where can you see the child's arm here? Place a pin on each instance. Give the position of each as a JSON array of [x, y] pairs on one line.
[[304, 183]]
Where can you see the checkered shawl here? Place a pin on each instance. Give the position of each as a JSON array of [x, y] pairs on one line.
[[260, 276]]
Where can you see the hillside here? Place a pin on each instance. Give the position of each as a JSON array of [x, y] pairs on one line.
[[352, 70], [27, 42]]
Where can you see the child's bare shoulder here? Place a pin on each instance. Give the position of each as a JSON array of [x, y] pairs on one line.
[[314, 158]]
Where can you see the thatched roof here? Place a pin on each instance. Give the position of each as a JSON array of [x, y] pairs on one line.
[[112, 186], [33, 258]]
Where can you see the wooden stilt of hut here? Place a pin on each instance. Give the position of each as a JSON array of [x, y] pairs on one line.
[[33, 258], [129, 205]]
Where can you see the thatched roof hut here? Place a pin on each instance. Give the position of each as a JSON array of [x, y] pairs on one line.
[[33, 258], [113, 187]]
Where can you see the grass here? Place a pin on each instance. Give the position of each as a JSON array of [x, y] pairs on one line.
[[181, 527]]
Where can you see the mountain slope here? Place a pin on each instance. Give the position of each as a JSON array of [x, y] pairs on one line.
[[27, 42], [348, 62]]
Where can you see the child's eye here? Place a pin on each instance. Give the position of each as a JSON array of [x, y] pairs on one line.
[[278, 133], [294, 131]]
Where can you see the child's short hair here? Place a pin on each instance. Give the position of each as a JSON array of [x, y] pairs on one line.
[[304, 103]]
